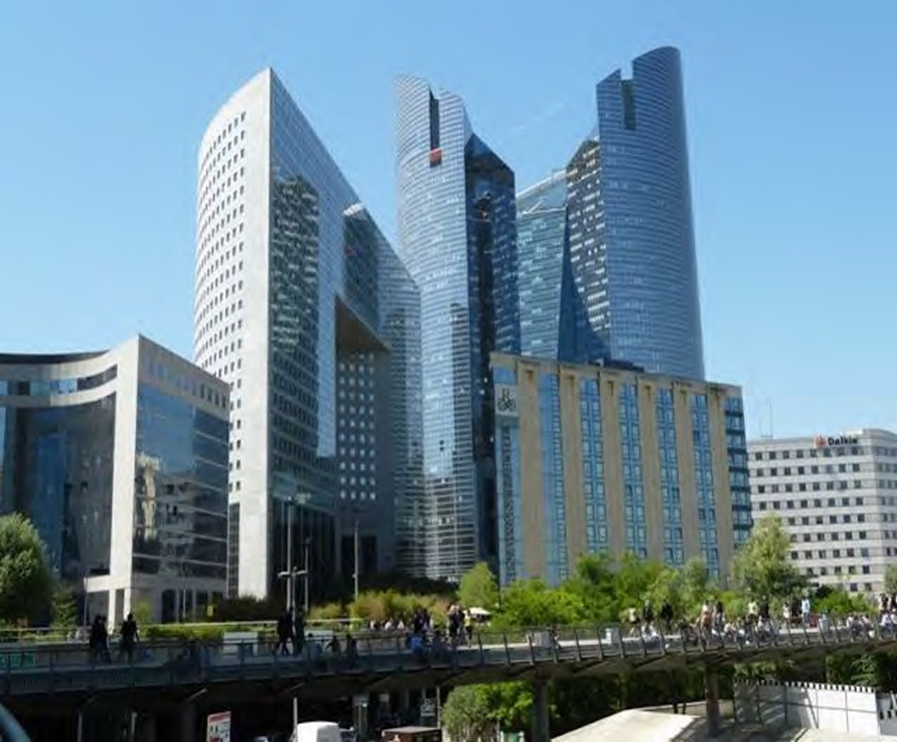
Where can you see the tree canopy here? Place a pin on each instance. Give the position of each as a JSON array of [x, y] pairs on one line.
[[479, 588], [467, 715], [762, 568], [891, 579], [26, 580]]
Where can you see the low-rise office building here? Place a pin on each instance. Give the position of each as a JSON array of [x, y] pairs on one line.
[[594, 459], [120, 460], [837, 497]]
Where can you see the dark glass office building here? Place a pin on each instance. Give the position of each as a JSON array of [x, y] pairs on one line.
[[120, 460], [305, 311], [457, 237], [629, 230]]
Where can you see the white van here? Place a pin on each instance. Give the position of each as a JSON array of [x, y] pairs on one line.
[[317, 731]]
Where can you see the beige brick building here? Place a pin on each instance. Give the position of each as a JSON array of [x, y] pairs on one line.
[[599, 459]]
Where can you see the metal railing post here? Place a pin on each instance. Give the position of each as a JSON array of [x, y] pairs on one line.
[[578, 646]]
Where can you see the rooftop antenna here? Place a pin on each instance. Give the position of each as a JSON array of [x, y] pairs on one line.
[[772, 426]]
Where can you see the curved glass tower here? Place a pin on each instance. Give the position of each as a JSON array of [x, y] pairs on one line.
[[457, 236], [651, 313], [624, 202], [305, 310]]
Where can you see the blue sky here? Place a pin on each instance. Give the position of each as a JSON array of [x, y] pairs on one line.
[[791, 112]]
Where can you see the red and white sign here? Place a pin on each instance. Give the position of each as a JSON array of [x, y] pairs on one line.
[[218, 727]]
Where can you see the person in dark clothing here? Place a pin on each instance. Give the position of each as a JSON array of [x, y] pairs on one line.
[[647, 614], [351, 650], [299, 633], [129, 636], [285, 630], [99, 640], [666, 616]]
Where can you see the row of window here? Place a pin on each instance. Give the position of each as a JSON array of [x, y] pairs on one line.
[[824, 452]]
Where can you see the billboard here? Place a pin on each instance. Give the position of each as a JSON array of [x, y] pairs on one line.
[[218, 727]]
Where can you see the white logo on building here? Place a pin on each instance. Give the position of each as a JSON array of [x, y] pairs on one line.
[[506, 400]]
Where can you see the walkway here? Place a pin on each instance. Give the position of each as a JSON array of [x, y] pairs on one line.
[[383, 662]]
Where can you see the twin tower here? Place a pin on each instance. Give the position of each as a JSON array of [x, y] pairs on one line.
[[362, 430]]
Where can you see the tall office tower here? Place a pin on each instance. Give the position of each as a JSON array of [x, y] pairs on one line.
[[304, 309], [553, 323], [457, 237], [629, 227]]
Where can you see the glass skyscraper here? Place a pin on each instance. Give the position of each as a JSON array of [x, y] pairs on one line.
[[456, 213], [629, 230], [304, 309], [553, 323], [120, 460]]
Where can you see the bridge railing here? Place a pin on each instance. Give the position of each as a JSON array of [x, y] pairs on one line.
[[44, 634], [385, 650]]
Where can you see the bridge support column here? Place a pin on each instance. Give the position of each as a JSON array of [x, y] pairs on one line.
[[711, 700], [145, 728], [188, 722], [541, 731]]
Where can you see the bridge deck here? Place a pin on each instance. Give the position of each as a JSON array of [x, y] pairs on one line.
[[385, 662]]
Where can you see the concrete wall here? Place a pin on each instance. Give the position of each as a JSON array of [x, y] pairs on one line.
[[836, 708]]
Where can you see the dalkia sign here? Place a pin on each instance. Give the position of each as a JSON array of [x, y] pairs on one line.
[[841, 440]]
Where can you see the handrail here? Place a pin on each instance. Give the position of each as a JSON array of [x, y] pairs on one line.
[[67, 667]]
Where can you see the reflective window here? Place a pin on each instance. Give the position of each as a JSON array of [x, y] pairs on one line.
[[180, 516], [56, 466], [554, 506], [593, 466]]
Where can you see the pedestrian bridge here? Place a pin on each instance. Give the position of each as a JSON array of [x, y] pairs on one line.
[[385, 662]]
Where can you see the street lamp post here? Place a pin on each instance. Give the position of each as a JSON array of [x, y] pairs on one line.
[[292, 571], [355, 546], [307, 546]]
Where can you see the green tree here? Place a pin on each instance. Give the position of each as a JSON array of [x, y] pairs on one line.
[[531, 603], [836, 601], [511, 704], [63, 608], [143, 613], [479, 588], [891, 579], [762, 567], [467, 715], [26, 582], [593, 587]]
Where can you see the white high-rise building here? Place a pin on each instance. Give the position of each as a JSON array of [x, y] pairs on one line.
[[837, 497], [303, 308]]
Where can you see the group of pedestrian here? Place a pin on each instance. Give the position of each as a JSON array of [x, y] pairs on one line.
[[98, 639], [290, 632]]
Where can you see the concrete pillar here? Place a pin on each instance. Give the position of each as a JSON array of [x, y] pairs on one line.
[[711, 699], [541, 731], [145, 728], [404, 704], [188, 722]]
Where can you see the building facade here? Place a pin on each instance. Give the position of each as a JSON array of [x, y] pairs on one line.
[[457, 236], [120, 460], [553, 322], [302, 307], [836, 496], [629, 228], [607, 460]]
